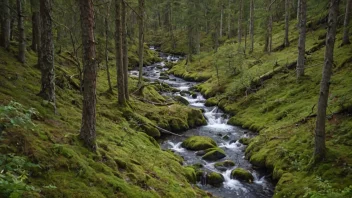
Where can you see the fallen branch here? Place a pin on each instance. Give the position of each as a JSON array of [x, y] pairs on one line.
[[166, 131]]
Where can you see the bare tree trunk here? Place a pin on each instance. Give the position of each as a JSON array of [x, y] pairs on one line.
[[88, 133], [229, 35], [106, 51], [5, 25], [302, 39], [287, 23], [298, 11], [221, 19], [35, 31], [320, 149], [245, 38], [251, 26], [22, 39], [240, 23], [125, 50], [46, 57], [270, 32], [141, 41], [345, 38], [119, 54]]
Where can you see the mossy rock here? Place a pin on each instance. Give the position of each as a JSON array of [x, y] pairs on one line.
[[215, 179], [214, 154], [223, 166], [196, 118], [211, 102], [245, 141], [178, 125], [182, 100], [190, 174], [197, 143], [242, 174], [151, 130]]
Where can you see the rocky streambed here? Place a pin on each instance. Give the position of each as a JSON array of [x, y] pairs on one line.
[[214, 153]]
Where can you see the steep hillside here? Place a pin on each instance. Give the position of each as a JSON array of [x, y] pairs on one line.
[[42, 156], [261, 92]]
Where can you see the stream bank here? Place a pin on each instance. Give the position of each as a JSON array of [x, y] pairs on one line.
[[227, 138]]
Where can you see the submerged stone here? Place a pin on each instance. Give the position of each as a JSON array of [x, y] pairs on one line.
[[223, 166]]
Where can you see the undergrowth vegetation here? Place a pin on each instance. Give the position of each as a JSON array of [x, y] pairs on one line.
[[41, 154], [261, 92]]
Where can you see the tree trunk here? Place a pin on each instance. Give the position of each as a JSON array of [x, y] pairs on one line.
[[46, 58], [229, 21], [251, 26], [302, 39], [35, 31], [239, 34], [125, 50], [5, 25], [298, 11], [221, 19], [106, 52], [141, 41], [345, 38], [119, 54], [270, 32], [287, 23], [320, 150], [88, 134], [22, 39]]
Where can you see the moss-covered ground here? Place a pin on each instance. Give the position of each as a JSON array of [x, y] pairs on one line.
[[128, 162], [261, 92]]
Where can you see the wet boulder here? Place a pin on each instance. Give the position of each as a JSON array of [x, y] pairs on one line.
[[242, 175], [197, 143], [215, 179], [164, 78], [223, 166], [200, 153], [181, 100], [214, 154]]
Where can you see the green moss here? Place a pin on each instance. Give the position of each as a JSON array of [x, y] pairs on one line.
[[190, 174], [197, 143], [213, 154], [242, 174], [127, 162], [215, 179], [245, 141]]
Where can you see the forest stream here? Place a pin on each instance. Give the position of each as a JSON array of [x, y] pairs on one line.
[[226, 136]]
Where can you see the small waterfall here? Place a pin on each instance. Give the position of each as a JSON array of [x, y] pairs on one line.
[[176, 147], [232, 183]]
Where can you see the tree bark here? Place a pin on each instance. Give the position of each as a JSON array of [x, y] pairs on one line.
[[302, 39], [221, 19], [346, 38], [119, 54], [5, 25], [125, 50], [287, 23], [251, 26], [88, 133], [298, 11], [320, 149], [141, 41], [239, 34], [46, 58], [22, 39], [106, 52], [35, 31], [229, 35]]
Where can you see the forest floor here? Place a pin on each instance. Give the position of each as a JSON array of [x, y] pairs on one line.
[[42, 152], [261, 92]]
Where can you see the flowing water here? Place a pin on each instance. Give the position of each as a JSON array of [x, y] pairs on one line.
[[216, 128]]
